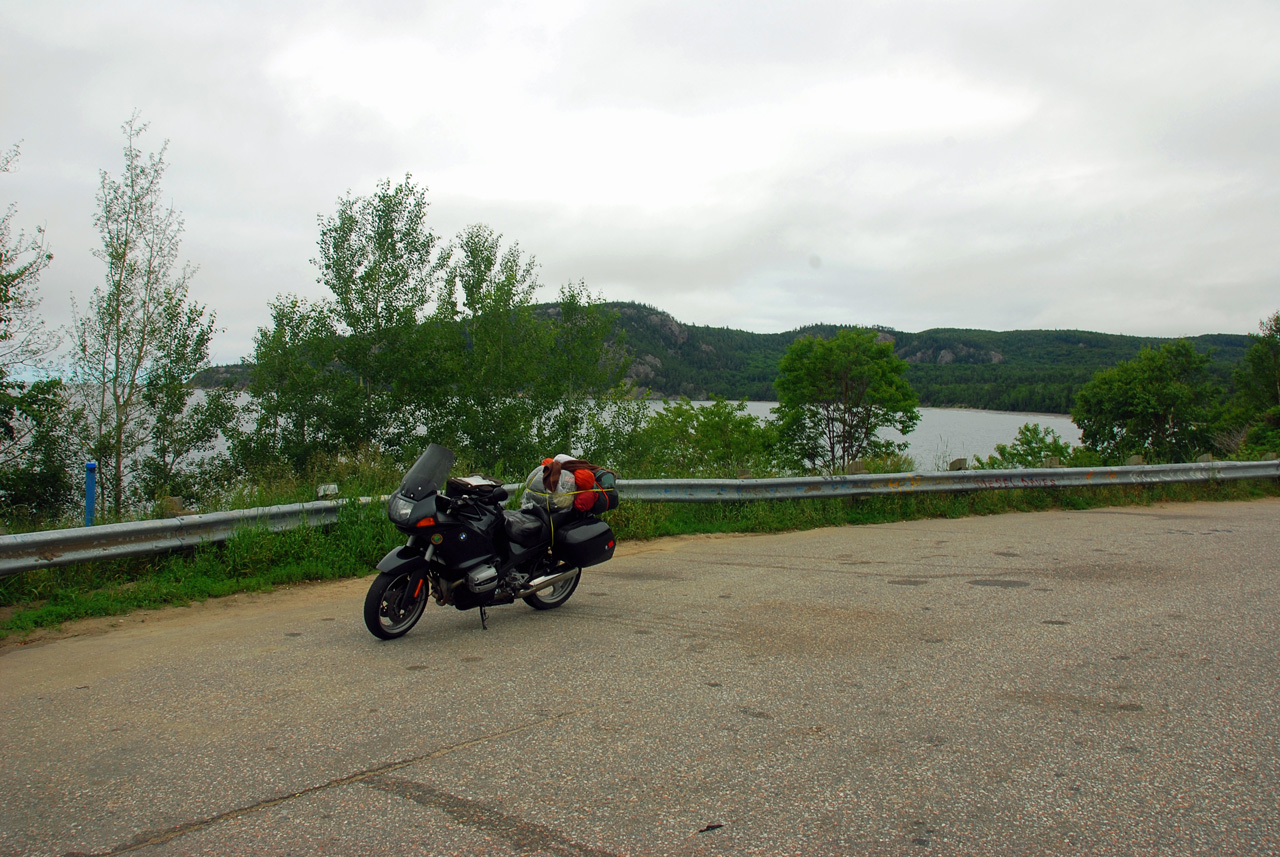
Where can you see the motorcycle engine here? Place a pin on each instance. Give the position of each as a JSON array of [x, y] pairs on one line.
[[482, 578]]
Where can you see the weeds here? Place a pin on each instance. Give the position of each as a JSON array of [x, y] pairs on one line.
[[252, 560]]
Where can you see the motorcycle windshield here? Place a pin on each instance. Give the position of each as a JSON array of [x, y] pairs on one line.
[[428, 473]]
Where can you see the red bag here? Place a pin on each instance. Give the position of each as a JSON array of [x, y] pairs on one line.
[[585, 499]]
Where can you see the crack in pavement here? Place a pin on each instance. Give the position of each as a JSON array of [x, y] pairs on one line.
[[524, 835], [159, 837]]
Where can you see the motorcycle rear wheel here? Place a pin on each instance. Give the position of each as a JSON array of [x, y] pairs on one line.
[[555, 595], [383, 615]]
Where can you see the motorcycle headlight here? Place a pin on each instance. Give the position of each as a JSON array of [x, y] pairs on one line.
[[399, 509]]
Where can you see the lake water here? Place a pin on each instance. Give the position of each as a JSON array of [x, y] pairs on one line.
[[944, 434]]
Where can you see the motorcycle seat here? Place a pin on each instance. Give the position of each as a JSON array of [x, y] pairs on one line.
[[524, 528]]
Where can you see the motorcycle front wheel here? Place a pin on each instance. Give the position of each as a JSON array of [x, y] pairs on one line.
[[555, 595], [389, 611]]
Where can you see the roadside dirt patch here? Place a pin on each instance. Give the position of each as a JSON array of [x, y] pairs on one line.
[[297, 594]]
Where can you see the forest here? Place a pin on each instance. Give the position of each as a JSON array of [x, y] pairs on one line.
[[1031, 371], [1020, 370]]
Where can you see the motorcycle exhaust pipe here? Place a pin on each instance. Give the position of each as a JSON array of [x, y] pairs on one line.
[[547, 581]]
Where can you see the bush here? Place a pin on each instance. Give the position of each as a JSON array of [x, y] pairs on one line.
[[1030, 448], [1162, 405], [683, 440], [1263, 436]]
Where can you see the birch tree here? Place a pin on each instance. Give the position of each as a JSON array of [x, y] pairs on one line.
[[498, 350], [24, 340], [179, 429], [34, 473], [380, 259], [120, 337]]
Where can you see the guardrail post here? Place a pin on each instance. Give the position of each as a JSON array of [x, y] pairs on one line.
[[90, 490]]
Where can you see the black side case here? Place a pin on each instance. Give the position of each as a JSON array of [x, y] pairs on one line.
[[584, 543]]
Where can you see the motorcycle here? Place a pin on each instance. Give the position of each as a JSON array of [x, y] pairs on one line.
[[466, 550]]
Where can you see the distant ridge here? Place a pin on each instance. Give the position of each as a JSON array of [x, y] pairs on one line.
[[1016, 370]]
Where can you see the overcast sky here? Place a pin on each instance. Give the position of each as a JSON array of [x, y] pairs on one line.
[[986, 163]]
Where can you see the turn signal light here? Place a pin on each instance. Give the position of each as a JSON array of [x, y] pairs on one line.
[[426, 522]]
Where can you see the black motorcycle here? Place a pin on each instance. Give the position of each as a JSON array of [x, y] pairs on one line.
[[465, 549]]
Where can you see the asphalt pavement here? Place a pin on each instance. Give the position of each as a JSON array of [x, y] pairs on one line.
[[1095, 682]]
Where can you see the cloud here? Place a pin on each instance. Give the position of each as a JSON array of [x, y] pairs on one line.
[[988, 164]]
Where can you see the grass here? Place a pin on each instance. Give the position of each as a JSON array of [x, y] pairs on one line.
[[654, 520], [251, 561], [257, 560]]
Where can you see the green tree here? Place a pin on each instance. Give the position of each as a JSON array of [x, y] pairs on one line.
[[383, 264], [612, 434], [35, 456], [377, 257], [183, 432], [301, 404], [38, 461], [835, 395], [421, 340], [24, 340], [1161, 405], [497, 351], [1257, 381], [121, 339], [1257, 378], [363, 367], [583, 372]]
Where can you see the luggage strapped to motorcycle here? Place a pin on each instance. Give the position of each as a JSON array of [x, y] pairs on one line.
[[603, 485]]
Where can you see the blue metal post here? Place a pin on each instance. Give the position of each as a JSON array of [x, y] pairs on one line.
[[90, 490]]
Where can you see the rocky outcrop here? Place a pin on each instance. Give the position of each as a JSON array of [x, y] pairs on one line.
[[643, 368], [672, 332], [953, 354]]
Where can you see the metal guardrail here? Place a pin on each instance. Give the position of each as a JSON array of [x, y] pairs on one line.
[[51, 548], [722, 490]]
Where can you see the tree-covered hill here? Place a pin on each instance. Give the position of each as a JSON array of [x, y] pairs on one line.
[[1016, 370], [1020, 370]]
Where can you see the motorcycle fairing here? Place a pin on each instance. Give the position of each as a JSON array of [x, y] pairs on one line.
[[428, 474], [402, 559]]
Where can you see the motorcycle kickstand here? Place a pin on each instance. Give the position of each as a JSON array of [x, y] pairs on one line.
[[484, 619]]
